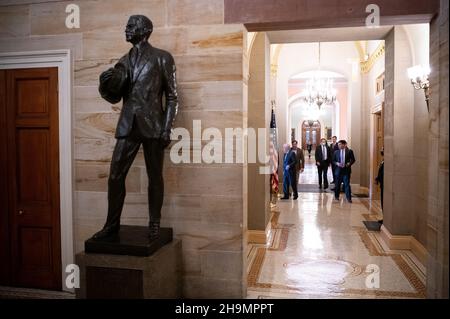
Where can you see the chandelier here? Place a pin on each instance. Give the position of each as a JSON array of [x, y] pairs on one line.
[[319, 90]]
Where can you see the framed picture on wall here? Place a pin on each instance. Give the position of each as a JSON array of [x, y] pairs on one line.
[[379, 84]]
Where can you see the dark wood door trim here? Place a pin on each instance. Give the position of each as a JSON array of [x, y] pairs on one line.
[[5, 252]]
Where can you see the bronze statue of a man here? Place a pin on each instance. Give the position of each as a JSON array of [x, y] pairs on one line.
[[141, 78]]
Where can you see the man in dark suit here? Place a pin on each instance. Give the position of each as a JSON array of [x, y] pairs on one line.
[[323, 160], [141, 78], [343, 159], [309, 148], [289, 164], [333, 147], [300, 160], [380, 177]]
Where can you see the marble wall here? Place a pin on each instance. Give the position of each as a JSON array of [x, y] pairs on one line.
[[203, 203], [400, 176], [258, 117], [406, 133], [438, 209], [407, 211], [370, 101], [419, 37]]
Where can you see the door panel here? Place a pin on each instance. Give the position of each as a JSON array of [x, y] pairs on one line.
[[37, 252], [32, 104], [311, 134], [32, 155], [33, 177]]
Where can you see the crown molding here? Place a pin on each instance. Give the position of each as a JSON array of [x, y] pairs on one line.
[[366, 66]]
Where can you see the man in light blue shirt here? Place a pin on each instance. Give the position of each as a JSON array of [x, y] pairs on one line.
[[343, 159]]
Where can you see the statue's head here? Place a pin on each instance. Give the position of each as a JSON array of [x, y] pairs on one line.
[[138, 28]]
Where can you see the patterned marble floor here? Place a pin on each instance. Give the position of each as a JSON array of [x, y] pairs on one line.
[[319, 248], [309, 176]]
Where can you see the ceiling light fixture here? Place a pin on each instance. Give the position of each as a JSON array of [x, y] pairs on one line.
[[319, 90]]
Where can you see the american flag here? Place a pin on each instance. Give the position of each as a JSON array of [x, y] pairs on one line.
[[273, 152]]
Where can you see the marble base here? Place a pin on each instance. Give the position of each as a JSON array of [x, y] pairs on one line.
[[131, 240], [104, 276]]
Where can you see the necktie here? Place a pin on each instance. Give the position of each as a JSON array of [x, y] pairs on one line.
[[342, 157], [133, 56], [324, 153]]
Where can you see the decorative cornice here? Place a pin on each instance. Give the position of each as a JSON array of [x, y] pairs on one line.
[[274, 60], [273, 70], [360, 49], [366, 66]]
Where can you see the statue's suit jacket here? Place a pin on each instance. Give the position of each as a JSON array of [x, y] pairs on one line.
[[142, 87]]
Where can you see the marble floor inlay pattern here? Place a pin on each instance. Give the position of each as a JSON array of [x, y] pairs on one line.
[[319, 248]]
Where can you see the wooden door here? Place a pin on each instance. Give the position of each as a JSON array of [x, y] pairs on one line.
[[379, 143], [311, 133], [306, 134], [33, 212], [5, 252]]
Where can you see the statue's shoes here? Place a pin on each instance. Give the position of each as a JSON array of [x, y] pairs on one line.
[[106, 233], [154, 230]]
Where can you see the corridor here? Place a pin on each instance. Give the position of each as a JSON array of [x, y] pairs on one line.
[[216, 89], [309, 175], [319, 248]]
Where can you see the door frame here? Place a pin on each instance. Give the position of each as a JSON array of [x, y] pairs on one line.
[[374, 147], [303, 134], [61, 59]]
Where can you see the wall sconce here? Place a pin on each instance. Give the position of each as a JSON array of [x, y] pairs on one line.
[[419, 79]]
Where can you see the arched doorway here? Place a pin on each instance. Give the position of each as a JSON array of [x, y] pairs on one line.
[[310, 133]]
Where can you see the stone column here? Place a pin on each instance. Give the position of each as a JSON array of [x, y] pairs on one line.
[[258, 117], [438, 210], [399, 174]]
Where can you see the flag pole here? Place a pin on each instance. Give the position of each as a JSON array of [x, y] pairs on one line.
[[274, 178]]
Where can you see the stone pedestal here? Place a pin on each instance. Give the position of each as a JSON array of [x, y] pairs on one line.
[[105, 276], [131, 240]]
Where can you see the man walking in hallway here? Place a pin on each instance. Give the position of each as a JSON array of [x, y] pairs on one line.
[[309, 148], [289, 163], [333, 147], [323, 160], [300, 160], [380, 177], [343, 159]]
